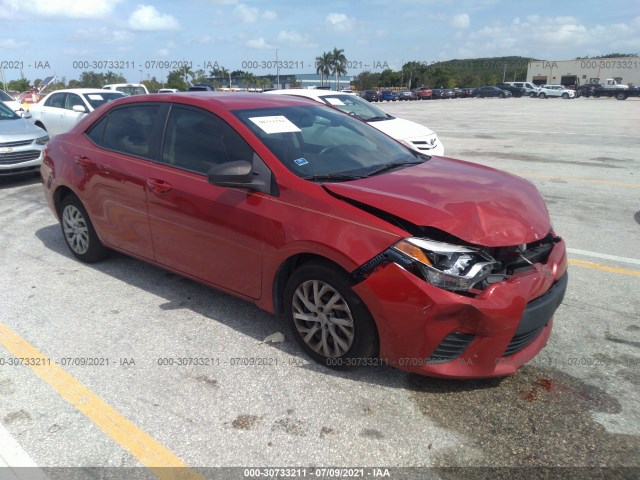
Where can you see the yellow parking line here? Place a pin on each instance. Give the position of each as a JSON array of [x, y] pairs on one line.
[[597, 266], [149, 452], [617, 183]]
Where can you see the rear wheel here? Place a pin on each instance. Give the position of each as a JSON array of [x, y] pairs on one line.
[[621, 96], [78, 231], [327, 318]]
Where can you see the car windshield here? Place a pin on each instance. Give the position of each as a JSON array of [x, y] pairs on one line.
[[98, 98], [318, 143], [356, 106], [6, 113], [131, 90], [5, 97]]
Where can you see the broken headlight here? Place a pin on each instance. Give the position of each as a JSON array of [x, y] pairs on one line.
[[447, 266]]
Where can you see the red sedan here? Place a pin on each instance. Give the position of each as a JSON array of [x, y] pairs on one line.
[[375, 253]]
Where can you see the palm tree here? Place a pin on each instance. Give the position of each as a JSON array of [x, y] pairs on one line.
[[338, 64], [323, 66]]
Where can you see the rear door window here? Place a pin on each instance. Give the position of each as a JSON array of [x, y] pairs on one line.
[[131, 130]]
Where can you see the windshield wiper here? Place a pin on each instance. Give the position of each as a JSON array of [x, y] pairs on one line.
[[391, 166], [377, 119], [335, 177]]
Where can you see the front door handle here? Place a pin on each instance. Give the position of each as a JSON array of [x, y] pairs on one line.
[[158, 186]]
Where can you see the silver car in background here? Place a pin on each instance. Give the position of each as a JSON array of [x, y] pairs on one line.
[[21, 143], [60, 110]]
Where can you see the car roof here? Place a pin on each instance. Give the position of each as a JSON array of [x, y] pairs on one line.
[[309, 93], [81, 90], [225, 100]]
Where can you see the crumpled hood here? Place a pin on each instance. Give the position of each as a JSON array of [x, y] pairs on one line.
[[478, 204]]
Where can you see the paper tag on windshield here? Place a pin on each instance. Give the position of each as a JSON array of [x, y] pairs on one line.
[[275, 124], [334, 101], [95, 97]]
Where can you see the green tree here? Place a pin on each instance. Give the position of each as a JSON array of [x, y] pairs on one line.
[[389, 78], [175, 79], [323, 66], [20, 85], [91, 79], [112, 77], [366, 80], [441, 77], [338, 64], [152, 85]]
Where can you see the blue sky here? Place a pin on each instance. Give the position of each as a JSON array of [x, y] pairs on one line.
[[63, 37]]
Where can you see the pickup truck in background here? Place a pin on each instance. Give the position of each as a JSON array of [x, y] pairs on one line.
[[610, 88]]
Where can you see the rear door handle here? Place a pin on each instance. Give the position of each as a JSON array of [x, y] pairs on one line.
[[158, 186]]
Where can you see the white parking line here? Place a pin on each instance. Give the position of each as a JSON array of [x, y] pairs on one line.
[[604, 256], [15, 463]]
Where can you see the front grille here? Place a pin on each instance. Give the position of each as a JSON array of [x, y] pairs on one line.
[[450, 348], [17, 157], [21, 143], [426, 144], [518, 342]]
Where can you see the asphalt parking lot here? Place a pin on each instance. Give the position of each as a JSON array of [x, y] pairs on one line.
[[120, 397]]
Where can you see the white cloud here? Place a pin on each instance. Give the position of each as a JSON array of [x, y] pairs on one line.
[[12, 43], [339, 22], [259, 43], [286, 37], [57, 8], [163, 52], [102, 35], [148, 18], [269, 15], [551, 37], [461, 21], [249, 14]]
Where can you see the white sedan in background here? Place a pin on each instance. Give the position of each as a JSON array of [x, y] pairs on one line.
[[60, 110], [414, 135], [556, 91], [14, 105]]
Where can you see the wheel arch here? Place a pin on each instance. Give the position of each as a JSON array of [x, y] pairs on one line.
[[287, 268], [59, 195]]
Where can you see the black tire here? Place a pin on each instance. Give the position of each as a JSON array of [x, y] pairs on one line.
[[542, 95], [501, 95], [621, 96], [478, 95], [533, 95], [347, 343], [78, 232], [565, 96]]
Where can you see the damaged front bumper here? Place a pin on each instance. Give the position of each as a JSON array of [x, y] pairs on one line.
[[435, 332]]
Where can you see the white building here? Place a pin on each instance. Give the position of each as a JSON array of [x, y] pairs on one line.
[[625, 70]]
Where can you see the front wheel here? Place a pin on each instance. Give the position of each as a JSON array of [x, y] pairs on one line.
[[565, 96], [478, 95], [543, 95], [327, 318], [78, 231]]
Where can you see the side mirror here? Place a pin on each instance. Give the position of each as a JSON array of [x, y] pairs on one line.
[[79, 109], [230, 173], [24, 113], [254, 175]]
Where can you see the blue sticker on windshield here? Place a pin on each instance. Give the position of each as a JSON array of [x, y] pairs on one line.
[[300, 162]]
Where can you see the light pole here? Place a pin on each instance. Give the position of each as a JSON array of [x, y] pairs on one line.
[[277, 71]]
